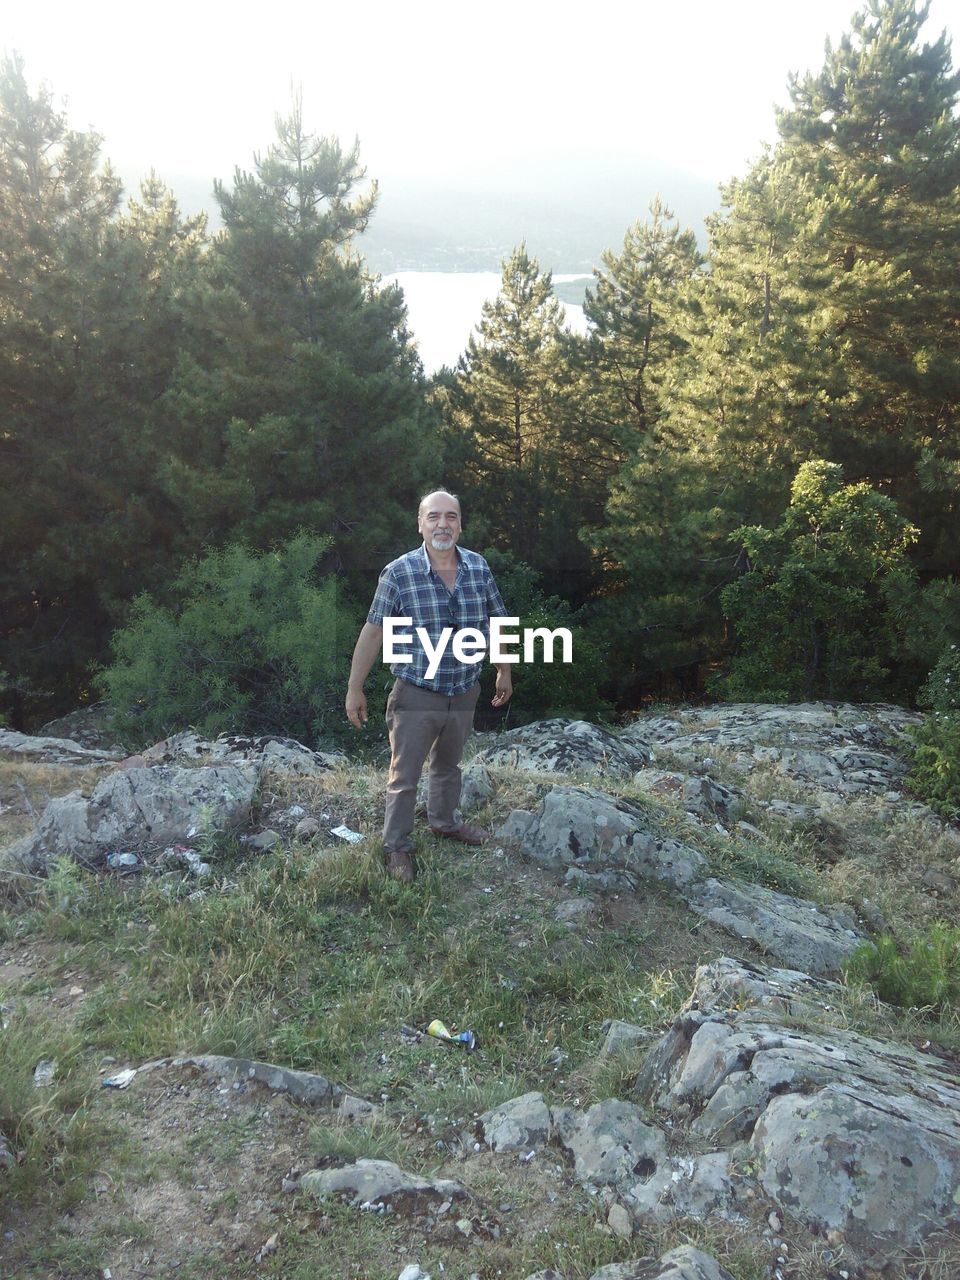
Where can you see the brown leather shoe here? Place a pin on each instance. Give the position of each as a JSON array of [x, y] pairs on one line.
[[465, 833], [400, 866]]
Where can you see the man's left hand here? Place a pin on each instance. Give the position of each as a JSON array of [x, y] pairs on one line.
[[504, 687]]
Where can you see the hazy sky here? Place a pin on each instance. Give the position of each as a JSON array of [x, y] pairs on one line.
[[434, 88]]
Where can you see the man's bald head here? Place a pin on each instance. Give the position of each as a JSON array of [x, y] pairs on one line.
[[439, 499]]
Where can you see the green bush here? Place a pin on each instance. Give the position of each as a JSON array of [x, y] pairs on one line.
[[941, 693], [541, 689], [935, 773], [811, 616], [926, 976], [254, 643]]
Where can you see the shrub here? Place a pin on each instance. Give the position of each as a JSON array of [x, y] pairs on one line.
[[549, 689], [811, 616], [935, 773], [926, 976], [254, 642]]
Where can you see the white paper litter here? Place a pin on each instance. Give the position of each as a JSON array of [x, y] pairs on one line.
[[120, 1080], [346, 834]]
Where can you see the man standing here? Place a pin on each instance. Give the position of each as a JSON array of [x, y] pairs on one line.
[[440, 585]]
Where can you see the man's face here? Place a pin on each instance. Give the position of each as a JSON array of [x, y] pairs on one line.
[[439, 521]]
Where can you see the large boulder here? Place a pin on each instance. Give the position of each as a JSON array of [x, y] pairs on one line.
[[517, 1125], [582, 828], [850, 1133], [567, 746], [611, 1144], [140, 808], [832, 748]]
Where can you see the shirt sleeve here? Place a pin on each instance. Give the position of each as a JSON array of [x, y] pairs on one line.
[[386, 600], [495, 606]]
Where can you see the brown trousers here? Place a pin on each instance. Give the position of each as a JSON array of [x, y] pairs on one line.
[[423, 723]]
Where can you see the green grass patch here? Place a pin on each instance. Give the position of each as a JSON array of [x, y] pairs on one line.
[[49, 1129]]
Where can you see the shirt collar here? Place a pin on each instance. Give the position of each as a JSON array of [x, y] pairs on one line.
[[425, 564]]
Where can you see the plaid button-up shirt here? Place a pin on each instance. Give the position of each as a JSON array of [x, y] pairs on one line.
[[410, 587]]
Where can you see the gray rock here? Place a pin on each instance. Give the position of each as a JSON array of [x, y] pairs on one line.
[[828, 747], [280, 755], [577, 911], [264, 840], [701, 796], [792, 930], [736, 984], [620, 1222], [566, 746], [791, 811], [375, 1183], [476, 787], [517, 1125], [303, 1086], [54, 750], [861, 1162], [696, 1187], [611, 1144], [577, 826], [135, 808], [644, 730], [850, 1133], [90, 726], [599, 881], [684, 1263], [622, 1036]]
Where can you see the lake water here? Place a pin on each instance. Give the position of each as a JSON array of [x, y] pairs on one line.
[[444, 307]]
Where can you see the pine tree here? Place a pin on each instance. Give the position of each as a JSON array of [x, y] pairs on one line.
[[88, 327], [304, 406], [825, 327], [634, 334], [877, 130], [514, 417]]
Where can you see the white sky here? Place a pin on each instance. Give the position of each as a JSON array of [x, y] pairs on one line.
[[434, 88]]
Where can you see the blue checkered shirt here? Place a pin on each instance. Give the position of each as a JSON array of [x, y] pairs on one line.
[[411, 588]]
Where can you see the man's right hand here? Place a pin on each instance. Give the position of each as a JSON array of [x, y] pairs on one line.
[[356, 705]]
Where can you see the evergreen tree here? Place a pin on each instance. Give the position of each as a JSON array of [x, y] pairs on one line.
[[825, 327], [88, 329], [515, 429], [304, 406], [877, 131], [634, 330]]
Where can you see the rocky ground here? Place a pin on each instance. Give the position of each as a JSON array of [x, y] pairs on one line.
[[675, 1077]]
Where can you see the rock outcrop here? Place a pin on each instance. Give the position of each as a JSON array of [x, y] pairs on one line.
[[137, 808], [567, 746], [606, 843], [849, 1133], [591, 831]]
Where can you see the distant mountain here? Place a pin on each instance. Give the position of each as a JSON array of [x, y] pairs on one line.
[[568, 211], [567, 215]]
